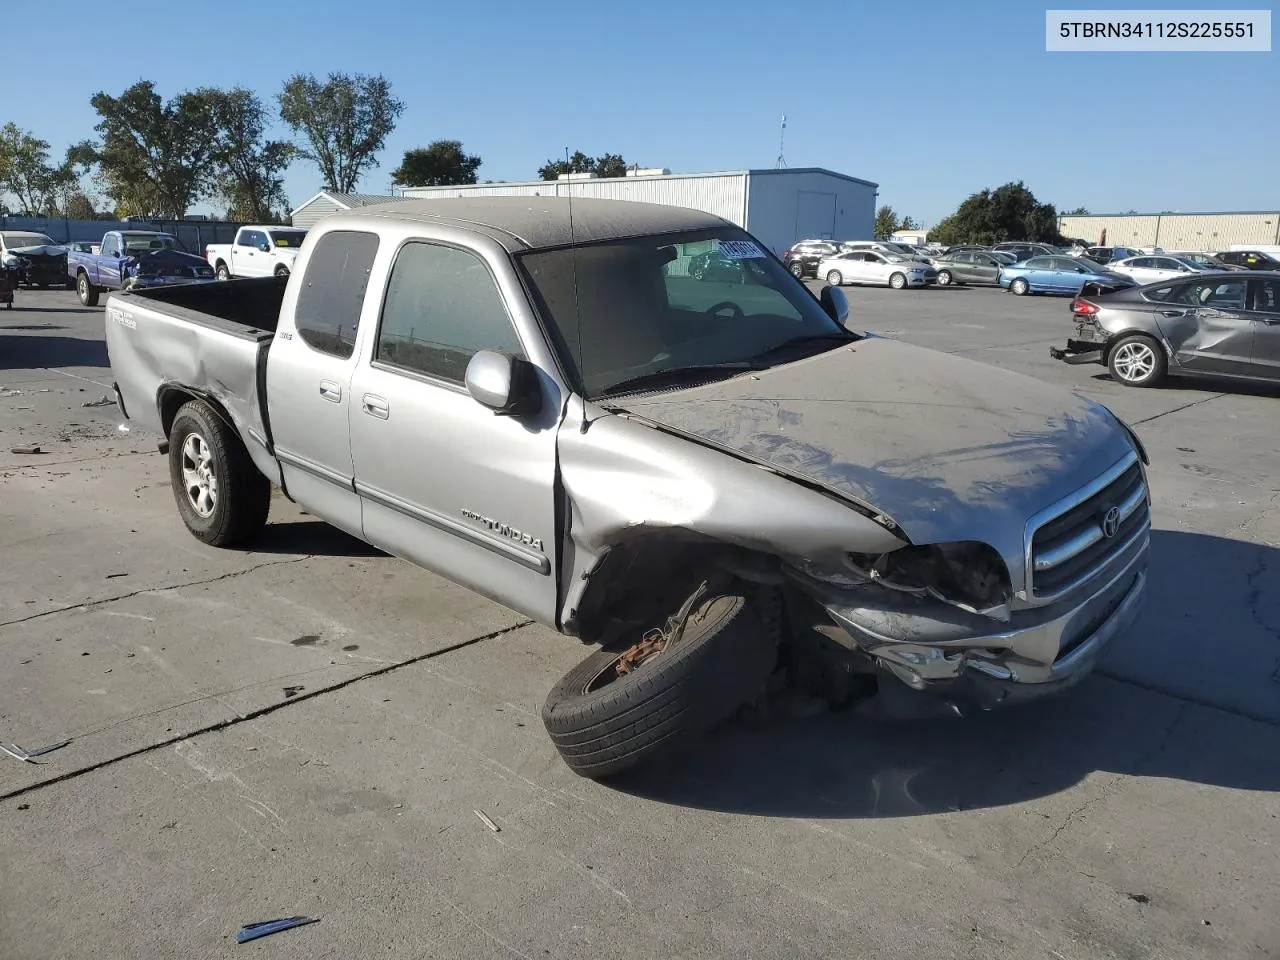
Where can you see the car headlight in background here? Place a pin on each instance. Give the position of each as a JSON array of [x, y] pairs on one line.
[[968, 575]]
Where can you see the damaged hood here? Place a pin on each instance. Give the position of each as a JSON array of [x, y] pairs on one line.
[[949, 448]]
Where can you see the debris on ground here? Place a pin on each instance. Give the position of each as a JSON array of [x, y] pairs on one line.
[[6, 392], [112, 576], [484, 818], [1138, 897], [26, 448], [103, 401], [292, 691], [41, 751], [252, 931]]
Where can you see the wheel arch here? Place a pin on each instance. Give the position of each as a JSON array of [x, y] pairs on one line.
[[1114, 338]]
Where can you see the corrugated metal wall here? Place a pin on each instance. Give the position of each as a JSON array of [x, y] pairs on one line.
[[721, 194], [192, 234], [1177, 231]]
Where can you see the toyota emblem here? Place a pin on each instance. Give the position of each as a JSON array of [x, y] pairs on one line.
[[1111, 522]]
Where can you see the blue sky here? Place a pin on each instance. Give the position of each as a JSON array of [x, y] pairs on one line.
[[931, 99]]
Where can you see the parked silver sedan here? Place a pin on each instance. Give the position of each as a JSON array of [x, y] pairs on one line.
[[1223, 324]]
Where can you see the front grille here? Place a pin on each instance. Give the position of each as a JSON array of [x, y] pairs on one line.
[[1069, 548]]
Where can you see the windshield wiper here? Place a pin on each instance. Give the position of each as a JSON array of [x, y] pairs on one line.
[[785, 345], [659, 378]]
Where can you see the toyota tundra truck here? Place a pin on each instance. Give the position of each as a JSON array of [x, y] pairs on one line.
[[700, 478]]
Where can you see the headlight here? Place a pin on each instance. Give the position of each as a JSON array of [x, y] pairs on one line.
[[968, 575]]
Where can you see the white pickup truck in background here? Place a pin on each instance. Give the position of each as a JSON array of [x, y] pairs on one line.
[[258, 251]]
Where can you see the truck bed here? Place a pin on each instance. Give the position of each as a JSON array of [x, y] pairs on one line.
[[207, 340]]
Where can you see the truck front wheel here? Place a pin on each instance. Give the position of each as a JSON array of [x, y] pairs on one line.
[[222, 497], [620, 707], [87, 292], [282, 271]]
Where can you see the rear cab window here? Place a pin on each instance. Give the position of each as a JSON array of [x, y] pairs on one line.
[[327, 315]]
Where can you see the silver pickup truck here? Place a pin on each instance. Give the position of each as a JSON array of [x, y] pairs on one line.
[[702, 476]]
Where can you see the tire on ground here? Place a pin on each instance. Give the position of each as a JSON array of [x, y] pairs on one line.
[[243, 493], [722, 658]]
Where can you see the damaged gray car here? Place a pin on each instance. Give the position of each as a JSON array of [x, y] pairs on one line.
[[1221, 324], [712, 481]]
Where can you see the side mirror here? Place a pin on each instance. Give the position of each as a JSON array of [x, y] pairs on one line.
[[506, 385], [265, 247], [835, 303]]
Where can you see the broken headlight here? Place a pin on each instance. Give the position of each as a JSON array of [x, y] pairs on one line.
[[968, 575]]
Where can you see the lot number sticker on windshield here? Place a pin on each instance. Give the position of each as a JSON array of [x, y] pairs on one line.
[[739, 250]]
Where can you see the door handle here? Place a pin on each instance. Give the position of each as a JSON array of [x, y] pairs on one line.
[[1173, 313], [331, 391], [376, 406]]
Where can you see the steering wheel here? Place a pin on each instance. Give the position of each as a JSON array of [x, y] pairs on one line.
[[726, 305]]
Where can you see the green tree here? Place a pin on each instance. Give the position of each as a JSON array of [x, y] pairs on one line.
[[1009, 212], [342, 122], [155, 157], [886, 222], [908, 224], [440, 163], [79, 207], [608, 165], [1076, 212], [27, 173], [249, 174]]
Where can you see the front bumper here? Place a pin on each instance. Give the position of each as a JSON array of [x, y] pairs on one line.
[[957, 655], [143, 282]]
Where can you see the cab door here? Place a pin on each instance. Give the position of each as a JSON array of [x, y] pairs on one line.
[[444, 481], [246, 258], [1265, 317]]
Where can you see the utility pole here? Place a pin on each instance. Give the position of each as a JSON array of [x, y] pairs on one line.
[[782, 139]]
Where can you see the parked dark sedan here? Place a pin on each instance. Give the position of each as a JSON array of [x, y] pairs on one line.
[[1250, 259], [972, 266], [802, 258], [1209, 324]]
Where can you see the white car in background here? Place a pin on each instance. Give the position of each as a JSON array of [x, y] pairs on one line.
[[879, 269], [1155, 268]]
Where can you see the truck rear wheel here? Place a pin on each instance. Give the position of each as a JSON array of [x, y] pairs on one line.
[[222, 497], [223, 272], [618, 708], [87, 291]]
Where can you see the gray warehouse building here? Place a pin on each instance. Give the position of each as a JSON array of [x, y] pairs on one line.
[[778, 206]]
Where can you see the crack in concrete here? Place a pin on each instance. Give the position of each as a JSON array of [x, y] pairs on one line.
[[89, 604], [1109, 788], [1187, 698], [1185, 406], [263, 711]]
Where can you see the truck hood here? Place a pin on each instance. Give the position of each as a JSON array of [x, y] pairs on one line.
[[948, 448]]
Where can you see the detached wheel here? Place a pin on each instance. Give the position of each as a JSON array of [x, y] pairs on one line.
[[222, 497], [619, 708], [1020, 287], [898, 281], [1137, 361], [86, 291], [944, 278]]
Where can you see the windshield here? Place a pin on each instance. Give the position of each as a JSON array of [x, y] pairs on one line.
[[647, 306], [134, 243], [287, 238], [18, 240], [1001, 256]]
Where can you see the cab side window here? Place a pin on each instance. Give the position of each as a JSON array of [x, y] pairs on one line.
[[442, 307], [110, 246], [328, 311]]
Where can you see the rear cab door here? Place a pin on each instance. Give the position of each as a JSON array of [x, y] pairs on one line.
[[444, 481], [309, 368]]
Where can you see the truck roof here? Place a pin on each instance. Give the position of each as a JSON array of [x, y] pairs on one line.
[[533, 222]]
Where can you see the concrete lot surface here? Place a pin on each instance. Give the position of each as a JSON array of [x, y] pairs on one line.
[[310, 727]]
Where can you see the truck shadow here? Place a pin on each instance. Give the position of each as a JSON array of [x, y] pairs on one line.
[[310, 537], [1173, 699], [33, 352]]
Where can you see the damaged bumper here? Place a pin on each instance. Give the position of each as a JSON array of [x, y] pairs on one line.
[[1080, 351], [958, 656]]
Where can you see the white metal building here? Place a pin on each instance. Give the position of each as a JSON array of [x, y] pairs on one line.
[[778, 206], [326, 202]]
